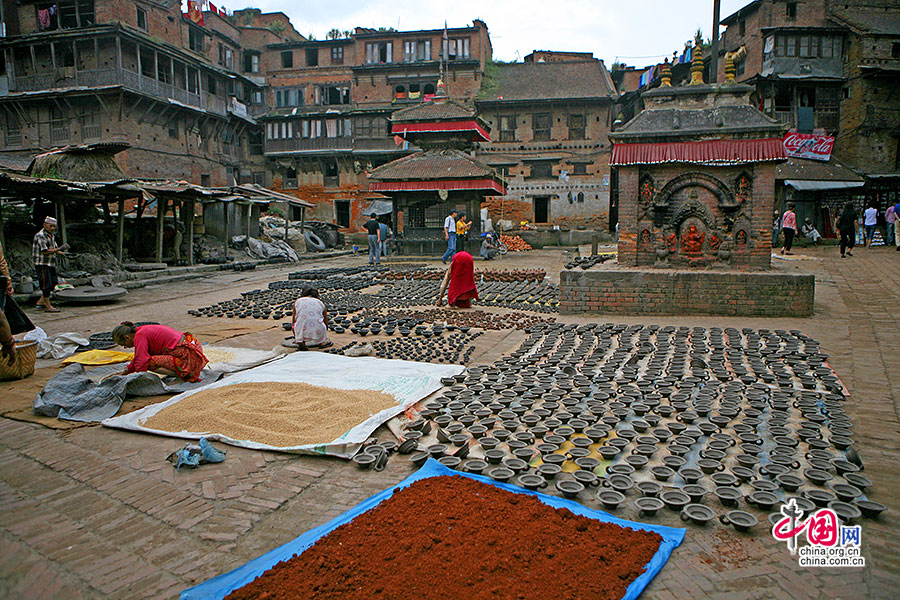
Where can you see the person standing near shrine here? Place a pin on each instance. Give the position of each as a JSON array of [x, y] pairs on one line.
[[44, 251], [450, 235], [788, 228], [374, 238]]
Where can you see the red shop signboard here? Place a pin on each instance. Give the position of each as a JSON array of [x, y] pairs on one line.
[[807, 145]]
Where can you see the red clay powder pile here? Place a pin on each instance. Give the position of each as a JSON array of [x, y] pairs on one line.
[[453, 537]]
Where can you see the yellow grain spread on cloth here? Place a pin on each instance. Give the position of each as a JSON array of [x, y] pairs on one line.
[[273, 413]]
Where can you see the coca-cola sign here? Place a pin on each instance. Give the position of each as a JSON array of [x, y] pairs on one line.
[[807, 145]]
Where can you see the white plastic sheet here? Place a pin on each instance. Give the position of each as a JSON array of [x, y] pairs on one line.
[[407, 381]]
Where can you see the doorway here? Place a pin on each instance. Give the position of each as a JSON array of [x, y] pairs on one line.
[[542, 209]]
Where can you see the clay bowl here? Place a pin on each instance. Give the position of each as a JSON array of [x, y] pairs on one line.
[[475, 465], [662, 472], [848, 513], [696, 492], [788, 482], [451, 462], [728, 496], [587, 478], [708, 465], [698, 513], [608, 452], [610, 499], [548, 471], [554, 459], [648, 505], [531, 482], [858, 480], [364, 460], [743, 474], [844, 466], [762, 500], [621, 468], [870, 509], [619, 482], [588, 463], [569, 488], [494, 455], [649, 488], [845, 492], [517, 465], [675, 499], [741, 520], [418, 459], [501, 474], [818, 476], [690, 474], [636, 461], [724, 479]]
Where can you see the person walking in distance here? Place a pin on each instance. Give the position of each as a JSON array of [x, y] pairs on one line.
[[44, 251], [871, 215], [374, 238], [788, 228], [897, 225], [846, 225], [890, 217], [450, 235]]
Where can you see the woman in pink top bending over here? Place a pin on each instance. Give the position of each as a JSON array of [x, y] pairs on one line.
[[161, 349]]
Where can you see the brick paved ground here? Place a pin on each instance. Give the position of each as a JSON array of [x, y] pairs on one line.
[[98, 513]]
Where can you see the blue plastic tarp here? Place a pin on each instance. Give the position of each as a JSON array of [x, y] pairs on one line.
[[221, 586]]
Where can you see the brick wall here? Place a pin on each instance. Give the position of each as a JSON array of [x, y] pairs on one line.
[[657, 292]]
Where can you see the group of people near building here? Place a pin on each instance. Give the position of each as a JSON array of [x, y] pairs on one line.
[[845, 224]]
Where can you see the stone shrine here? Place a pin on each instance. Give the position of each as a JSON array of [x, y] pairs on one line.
[[696, 172]]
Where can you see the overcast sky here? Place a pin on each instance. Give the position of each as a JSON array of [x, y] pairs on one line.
[[635, 31]]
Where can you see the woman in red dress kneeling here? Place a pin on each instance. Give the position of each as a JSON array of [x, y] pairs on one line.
[[161, 349], [461, 277]]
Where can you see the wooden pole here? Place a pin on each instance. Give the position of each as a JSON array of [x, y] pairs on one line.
[[225, 209], [61, 207], [160, 214], [120, 231], [190, 232], [287, 212], [249, 216]]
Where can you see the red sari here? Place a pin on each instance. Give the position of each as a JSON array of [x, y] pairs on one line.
[[462, 290]]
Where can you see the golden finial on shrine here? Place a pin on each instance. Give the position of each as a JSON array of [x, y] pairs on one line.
[[697, 63], [666, 74], [729, 67]]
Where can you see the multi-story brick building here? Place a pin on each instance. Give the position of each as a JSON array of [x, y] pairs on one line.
[[828, 67], [332, 100], [80, 71], [550, 116]]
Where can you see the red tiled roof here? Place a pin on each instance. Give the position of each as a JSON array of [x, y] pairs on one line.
[[431, 111], [432, 164]]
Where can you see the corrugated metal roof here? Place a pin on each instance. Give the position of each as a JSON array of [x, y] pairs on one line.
[[432, 164], [815, 170]]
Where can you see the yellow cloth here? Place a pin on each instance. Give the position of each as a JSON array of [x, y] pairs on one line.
[[99, 357], [462, 228]]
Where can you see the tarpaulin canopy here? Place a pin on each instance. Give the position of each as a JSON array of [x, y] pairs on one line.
[[811, 185], [721, 152], [379, 207]]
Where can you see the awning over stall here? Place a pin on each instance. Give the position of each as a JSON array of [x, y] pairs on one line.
[[807, 185]]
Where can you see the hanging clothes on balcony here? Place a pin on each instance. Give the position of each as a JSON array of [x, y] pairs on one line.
[[44, 18]]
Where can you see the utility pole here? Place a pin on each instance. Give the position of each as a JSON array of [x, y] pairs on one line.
[[714, 48]]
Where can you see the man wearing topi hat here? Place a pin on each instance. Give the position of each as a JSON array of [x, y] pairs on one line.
[[44, 251]]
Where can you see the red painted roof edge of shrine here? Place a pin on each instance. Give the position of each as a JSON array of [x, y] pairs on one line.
[[446, 184], [441, 126], [702, 152]]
